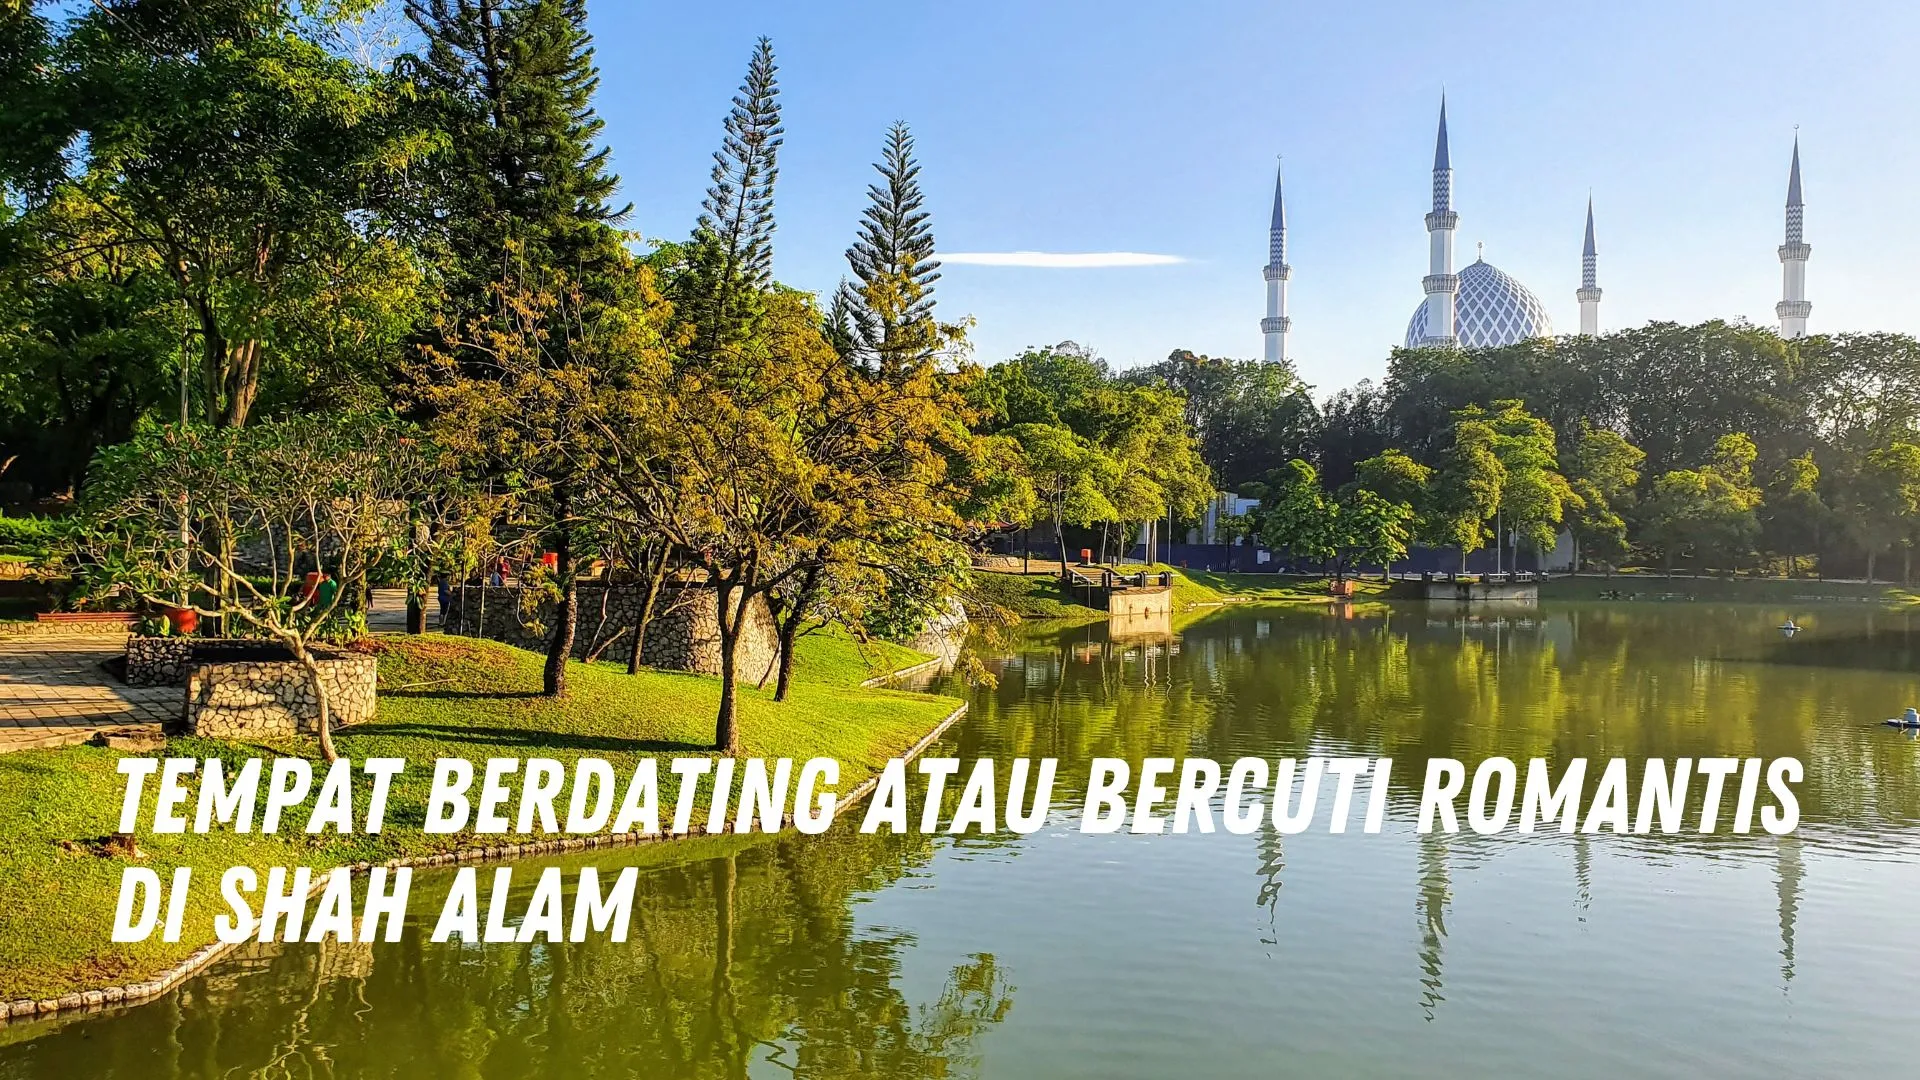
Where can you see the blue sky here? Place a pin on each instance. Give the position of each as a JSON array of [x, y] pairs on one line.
[[1153, 127]]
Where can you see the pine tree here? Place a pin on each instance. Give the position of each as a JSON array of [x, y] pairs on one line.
[[891, 306], [730, 259], [522, 181], [521, 200]]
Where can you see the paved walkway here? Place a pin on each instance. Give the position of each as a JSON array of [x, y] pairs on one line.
[[53, 692]]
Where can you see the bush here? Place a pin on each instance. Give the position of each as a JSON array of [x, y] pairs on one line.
[[28, 535]]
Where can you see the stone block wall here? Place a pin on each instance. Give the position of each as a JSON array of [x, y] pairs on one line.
[[252, 699], [166, 661], [1150, 600], [683, 635]]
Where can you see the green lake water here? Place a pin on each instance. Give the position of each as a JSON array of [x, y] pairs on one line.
[[1059, 954]]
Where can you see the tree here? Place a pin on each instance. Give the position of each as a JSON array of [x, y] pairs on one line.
[[333, 497], [1358, 525], [1141, 450], [1394, 480], [728, 264], [86, 349], [888, 309], [1707, 511], [1368, 528], [507, 392], [1534, 496], [520, 207], [1882, 499], [1603, 470], [1249, 417], [1468, 489], [230, 144], [1294, 516], [1793, 517], [1068, 475], [522, 178]]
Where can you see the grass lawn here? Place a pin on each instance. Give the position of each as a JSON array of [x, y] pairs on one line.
[[1038, 596], [1030, 596], [440, 697]]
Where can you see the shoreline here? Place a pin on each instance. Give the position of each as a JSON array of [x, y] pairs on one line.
[[143, 991]]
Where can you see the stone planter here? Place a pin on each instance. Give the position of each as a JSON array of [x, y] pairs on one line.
[[684, 634], [166, 661], [267, 694]]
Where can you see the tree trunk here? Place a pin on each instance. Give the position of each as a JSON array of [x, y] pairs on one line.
[[1060, 536], [242, 382], [324, 721], [565, 618], [656, 576], [795, 614], [1870, 557], [726, 734]]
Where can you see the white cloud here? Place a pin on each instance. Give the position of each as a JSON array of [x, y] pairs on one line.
[[1058, 260]]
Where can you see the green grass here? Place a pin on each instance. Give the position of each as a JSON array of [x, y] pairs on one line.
[[1209, 587], [1652, 585], [1030, 596], [1038, 596], [441, 697]]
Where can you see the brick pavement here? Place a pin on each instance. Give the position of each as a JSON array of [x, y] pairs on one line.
[[53, 692]]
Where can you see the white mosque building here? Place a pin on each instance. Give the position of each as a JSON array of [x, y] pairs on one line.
[[1481, 306]]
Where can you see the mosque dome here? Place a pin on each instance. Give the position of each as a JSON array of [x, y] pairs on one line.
[[1490, 309]]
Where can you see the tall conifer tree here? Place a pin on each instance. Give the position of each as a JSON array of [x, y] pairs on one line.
[[889, 305], [730, 259], [514, 82], [522, 202]]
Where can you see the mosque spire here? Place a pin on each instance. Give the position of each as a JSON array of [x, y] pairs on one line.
[[1440, 283], [1276, 324], [1589, 292], [1794, 308]]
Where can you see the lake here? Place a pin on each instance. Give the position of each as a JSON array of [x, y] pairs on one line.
[[1059, 954]]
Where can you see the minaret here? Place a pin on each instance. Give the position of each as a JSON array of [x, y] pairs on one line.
[[1276, 324], [1589, 292], [1441, 284], [1793, 308]]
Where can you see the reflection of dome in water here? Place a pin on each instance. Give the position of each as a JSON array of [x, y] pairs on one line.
[[1490, 309]]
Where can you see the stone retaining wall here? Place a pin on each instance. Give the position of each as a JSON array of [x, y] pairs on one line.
[[254, 699], [1136, 601], [683, 635], [166, 661]]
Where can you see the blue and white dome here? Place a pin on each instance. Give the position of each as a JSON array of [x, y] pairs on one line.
[[1490, 309]]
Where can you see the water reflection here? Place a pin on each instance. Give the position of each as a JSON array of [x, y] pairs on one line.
[[876, 956], [745, 959]]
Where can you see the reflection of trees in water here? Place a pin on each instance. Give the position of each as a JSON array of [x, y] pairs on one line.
[[1582, 874], [1436, 896], [1272, 862], [1594, 682], [750, 956], [1787, 873], [1591, 681]]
